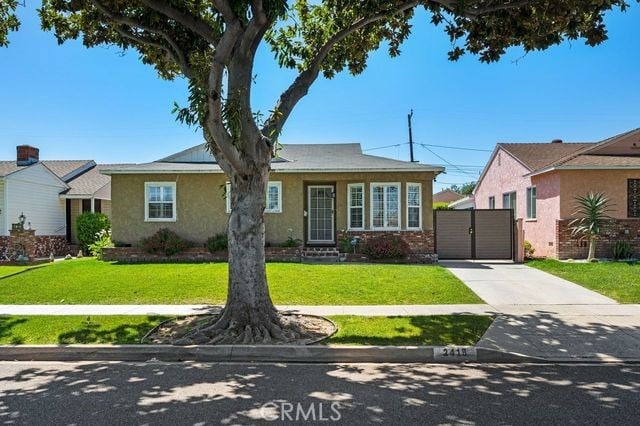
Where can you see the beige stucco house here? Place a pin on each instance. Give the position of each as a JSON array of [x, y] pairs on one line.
[[541, 180], [316, 194]]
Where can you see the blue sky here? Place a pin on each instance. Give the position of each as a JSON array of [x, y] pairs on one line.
[[75, 103]]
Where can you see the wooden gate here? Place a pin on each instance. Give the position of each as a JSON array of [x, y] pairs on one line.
[[474, 234]]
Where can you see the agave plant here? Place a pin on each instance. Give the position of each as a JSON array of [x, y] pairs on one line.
[[592, 219]]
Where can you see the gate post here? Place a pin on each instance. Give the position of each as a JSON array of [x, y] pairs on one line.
[[519, 241]]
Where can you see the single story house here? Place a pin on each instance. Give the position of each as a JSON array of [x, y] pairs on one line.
[[317, 194], [446, 196], [466, 203], [541, 180], [50, 194]]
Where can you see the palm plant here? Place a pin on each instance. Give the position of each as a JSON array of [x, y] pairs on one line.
[[592, 219]]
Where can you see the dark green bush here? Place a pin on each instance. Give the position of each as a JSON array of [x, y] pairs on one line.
[[165, 242], [387, 247], [218, 242], [622, 250], [89, 226]]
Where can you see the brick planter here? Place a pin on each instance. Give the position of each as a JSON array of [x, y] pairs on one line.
[[420, 242], [413, 258], [56, 244], [569, 247], [193, 255]]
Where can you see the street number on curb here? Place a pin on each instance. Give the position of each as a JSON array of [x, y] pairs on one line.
[[455, 353]]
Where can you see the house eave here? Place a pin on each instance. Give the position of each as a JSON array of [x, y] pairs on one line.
[[551, 169], [436, 170]]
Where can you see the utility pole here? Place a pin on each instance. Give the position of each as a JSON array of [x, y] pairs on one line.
[[409, 116]]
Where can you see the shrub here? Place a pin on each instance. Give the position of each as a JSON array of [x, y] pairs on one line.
[[218, 242], [103, 241], [89, 225], [441, 206], [622, 250], [387, 247], [528, 250], [165, 242], [291, 242]]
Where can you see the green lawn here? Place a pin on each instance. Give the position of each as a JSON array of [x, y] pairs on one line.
[[617, 280], [410, 331], [89, 281], [8, 270], [436, 330]]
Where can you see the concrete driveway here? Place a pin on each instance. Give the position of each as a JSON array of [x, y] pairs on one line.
[[501, 283], [541, 315]]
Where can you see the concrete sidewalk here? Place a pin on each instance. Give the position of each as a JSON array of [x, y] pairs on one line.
[[179, 310]]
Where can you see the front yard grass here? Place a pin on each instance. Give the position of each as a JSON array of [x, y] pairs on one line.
[[8, 270], [353, 330], [617, 280], [88, 281]]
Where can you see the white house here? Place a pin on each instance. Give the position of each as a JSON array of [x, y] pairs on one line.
[[50, 194]]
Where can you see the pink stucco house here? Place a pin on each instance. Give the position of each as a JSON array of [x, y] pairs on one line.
[[540, 182]]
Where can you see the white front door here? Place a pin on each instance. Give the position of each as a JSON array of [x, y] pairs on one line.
[[320, 204]]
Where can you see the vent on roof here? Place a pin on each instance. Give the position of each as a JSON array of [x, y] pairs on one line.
[[556, 141], [27, 155]]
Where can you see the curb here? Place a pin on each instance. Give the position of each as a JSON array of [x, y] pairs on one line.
[[262, 353]]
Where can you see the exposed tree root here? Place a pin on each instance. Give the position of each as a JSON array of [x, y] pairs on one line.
[[225, 330]]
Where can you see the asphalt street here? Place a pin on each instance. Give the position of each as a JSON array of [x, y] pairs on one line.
[[197, 394]]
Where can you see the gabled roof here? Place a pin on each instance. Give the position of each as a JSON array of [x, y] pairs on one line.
[[446, 196], [293, 158], [543, 157], [88, 183], [65, 170], [537, 155]]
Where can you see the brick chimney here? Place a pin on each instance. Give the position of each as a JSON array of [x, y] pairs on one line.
[[27, 155]]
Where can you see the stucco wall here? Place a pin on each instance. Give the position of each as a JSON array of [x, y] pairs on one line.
[[201, 206], [505, 174], [541, 232], [613, 183]]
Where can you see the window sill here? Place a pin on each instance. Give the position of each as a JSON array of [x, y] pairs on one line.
[[160, 220], [531, 220]]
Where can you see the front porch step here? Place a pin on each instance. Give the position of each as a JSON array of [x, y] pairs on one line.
[[320, 254]]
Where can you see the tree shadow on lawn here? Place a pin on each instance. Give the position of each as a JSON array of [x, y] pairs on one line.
[[433, 330], [7, 324], [91, 331], [78, 329]]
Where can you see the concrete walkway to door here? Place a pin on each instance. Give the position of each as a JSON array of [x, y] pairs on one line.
[[506, 283], [546, 317]]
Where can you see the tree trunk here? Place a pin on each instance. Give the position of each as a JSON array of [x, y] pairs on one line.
[[592, 248], [249, 315]]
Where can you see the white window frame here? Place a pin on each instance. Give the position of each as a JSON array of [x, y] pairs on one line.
[[148, 185], [492, 202], [529, 203], [419, 206], [371, 192], [349, 206], [515, 206], [278, 184]]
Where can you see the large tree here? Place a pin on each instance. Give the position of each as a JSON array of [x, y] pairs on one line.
[[213, 45]]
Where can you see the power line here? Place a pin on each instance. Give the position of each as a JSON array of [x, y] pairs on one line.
[[445, 160], [388, 146], [457, 147]]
